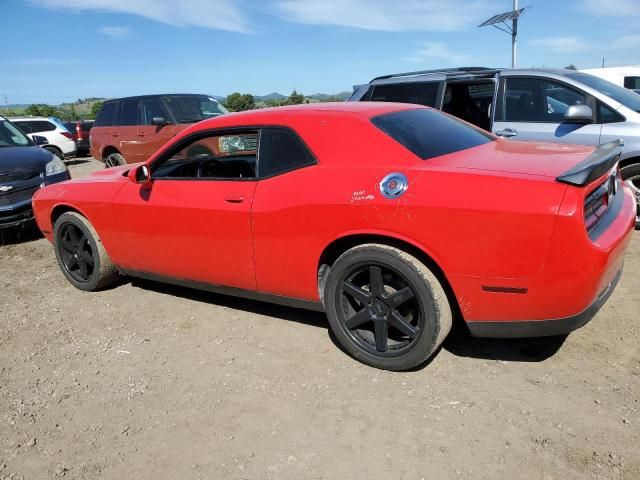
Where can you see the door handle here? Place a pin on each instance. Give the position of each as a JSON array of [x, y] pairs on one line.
[[507, 132], [115, 134], [141, 134], [234, 198]]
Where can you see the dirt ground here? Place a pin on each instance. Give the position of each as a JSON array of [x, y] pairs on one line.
[[146, 381]]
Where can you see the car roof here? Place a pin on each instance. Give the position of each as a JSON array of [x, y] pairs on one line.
[[462, 73], [156, 95], [286, 114], [24, 119]]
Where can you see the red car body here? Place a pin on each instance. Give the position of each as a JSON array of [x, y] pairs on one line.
[[508, 240]]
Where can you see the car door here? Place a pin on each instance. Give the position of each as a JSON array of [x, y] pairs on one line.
[[194, 222], [532, 108], [152, 137], [124, 132]]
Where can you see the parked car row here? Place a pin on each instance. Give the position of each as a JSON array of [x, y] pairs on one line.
[[562, 106], [392, 218], [80, 130], [24, 169], [356, 208]]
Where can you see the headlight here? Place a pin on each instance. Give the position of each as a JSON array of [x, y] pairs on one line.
[[55, 167]]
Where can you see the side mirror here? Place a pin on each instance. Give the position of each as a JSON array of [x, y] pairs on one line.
[[159, 121], [142, 176], [39, 140], [579, 114]]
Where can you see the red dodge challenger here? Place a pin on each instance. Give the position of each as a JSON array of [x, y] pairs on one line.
[[394, 219]]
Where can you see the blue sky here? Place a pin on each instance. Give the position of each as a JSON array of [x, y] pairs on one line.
[[59, 50]]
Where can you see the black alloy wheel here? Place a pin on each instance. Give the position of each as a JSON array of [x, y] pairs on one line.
[[76, 253], [379, 309], [386, 308]]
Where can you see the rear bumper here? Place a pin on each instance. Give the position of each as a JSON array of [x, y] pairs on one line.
[[543, 328]]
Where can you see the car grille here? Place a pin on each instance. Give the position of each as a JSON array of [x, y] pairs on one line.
[[18, 175], [16, 196]]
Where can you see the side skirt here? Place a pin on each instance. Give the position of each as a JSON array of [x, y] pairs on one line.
[[224, 290]]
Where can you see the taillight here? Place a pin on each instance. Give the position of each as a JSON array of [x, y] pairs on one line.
[[598, 201], [78, 131], [67, 134]]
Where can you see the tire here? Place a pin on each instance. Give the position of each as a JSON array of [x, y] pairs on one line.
[[114, 160], [55, 152], [631, 176], [76, 242], [410, 309]]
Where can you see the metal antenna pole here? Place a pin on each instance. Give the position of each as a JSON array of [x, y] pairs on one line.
[[514, 35]]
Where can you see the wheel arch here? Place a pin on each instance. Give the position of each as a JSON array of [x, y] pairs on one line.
[[51, 146], [108, 150], [341, 244], [61, 208]]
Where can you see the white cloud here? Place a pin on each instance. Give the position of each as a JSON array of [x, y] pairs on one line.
[[215, 14], [115, 32], [437, 51], [387, 15], [617, 8], [566, 44]]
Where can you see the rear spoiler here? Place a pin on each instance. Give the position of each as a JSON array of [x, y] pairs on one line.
[[595, 165]]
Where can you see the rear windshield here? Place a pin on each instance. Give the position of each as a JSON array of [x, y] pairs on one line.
[[429, 133], [193, 108]]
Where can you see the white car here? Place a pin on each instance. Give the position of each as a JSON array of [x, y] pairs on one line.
[[60, 141]]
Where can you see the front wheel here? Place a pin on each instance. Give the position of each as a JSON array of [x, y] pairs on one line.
[[631, 176], [385, 307], [55, 152], [114, 160], [80, 253]]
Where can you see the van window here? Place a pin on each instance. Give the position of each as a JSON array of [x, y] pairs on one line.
[[129, 112], [420, 93], [193, 108], [105, 115], [150, 108], [632, 83]]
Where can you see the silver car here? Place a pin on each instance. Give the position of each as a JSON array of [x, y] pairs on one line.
[[527, 104]]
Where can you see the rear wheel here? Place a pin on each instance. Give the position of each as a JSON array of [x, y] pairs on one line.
[[114, 160], [385, 307], [80, 253], [631, 176]]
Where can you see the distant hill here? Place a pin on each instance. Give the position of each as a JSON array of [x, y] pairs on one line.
[[324, 96], [270, 96]]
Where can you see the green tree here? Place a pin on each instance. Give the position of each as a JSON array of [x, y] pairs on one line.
[[295, 98], [571, 66], [95, 108], [237, 102], [41, 110]]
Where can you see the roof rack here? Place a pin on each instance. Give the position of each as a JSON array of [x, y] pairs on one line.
[[444, 71]]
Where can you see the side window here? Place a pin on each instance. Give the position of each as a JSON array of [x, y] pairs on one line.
[[24, 126], [105, 116], [607, 115], [558, 98], [282, 151], [128, 112], [632, 82], [150, 108], [420, 93], [470, 102], [211, 157], [523, 100], [38, 126]]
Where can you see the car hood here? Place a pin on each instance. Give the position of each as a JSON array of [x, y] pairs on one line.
[[23, 158], [510, 156], [112, 174]]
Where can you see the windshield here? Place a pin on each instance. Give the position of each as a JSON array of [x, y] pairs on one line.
[[626, 97], [12, 136], [429, 133], [192, 109]]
